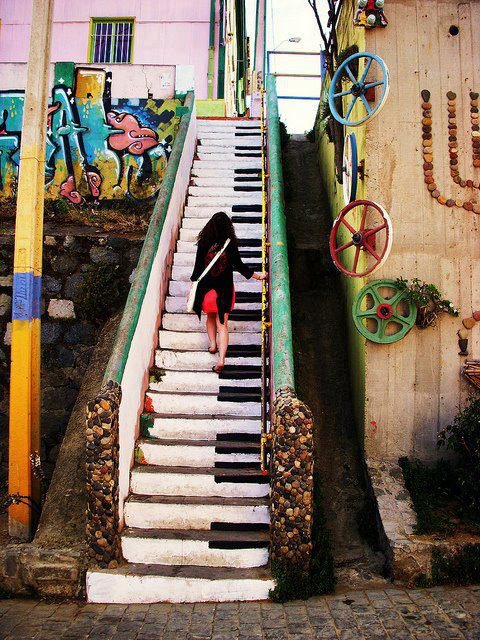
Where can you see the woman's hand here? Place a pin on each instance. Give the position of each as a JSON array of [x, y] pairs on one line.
[[261, 276]]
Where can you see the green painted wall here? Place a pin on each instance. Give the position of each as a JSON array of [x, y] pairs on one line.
[[348, 35]]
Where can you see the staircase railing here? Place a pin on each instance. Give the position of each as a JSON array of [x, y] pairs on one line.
[[291, 423]]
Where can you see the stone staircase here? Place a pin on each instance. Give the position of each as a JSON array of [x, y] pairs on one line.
[[197, 517]]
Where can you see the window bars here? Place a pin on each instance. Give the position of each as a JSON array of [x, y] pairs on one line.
[[111, 41]]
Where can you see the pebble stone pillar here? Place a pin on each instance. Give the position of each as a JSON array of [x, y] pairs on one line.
[[102, 477], [291, 501]]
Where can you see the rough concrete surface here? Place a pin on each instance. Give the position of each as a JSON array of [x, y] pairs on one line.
[[321, 363]]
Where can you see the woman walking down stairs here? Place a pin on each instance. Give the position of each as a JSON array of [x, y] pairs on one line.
[[197, 517]]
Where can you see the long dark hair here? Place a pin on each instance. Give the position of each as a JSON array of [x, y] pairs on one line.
[[216, 231]]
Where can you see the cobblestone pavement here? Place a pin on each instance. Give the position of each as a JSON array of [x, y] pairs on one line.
[[395, 614]]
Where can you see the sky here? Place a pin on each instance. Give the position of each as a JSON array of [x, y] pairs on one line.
[[286, 19]]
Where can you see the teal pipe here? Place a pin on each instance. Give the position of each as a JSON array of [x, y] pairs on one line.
[[283, 367], [128, 324]]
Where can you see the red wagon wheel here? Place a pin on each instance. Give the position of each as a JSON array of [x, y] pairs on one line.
[[361, 238]]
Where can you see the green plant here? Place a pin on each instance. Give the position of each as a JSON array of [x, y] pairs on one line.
[[284, 135], [101, 293], [458, 568], [428, 300], [429, 487], [463, 437]]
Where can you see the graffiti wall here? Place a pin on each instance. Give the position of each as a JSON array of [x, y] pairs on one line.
[[98, 148]]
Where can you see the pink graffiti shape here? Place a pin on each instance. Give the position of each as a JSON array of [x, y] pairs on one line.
[[69, 190], [375, 427], [94, 182], [135, 139]]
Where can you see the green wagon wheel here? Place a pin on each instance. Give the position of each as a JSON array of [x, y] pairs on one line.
[[382, 313]]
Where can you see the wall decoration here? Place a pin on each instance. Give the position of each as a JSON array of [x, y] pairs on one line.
[[370, 14], [462, 342], [427, 299], [453, 141], [427, 154], [471, 371], [352, 170], [358, 83], [97, 147], [360, 249], [382, 313]]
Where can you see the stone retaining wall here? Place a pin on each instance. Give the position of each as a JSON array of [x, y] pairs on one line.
[[291, 469], [75, 261]]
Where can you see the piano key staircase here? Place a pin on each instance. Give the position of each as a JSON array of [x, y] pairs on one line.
[[197, 517]]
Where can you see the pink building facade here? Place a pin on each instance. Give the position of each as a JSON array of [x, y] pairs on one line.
[[189, 36]]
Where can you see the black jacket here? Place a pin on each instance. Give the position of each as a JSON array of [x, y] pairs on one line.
[[220, 277]]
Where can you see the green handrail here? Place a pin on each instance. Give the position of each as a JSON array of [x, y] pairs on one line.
[[283, 369], [133, 306]]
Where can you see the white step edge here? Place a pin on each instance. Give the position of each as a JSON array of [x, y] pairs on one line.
[[219, 192], [228, 149], [204, 172], [196, 341], [200, 428], [172, 515], [221, 201], [126, 588], [223, 181], [206, 382], [189, 484], [151, 452], [188, 259], [178, 304], [183, 274], [178, 288], [198, 405], [190, 552], [198, 223], [197, 361], [234, 163], [189, 322]]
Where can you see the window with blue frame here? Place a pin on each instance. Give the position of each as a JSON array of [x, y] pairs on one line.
[[111, 40]]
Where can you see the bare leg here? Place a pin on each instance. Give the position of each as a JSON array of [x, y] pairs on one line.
[[212, 331], [222, 339]]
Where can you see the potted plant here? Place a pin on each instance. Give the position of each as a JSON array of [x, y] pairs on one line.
[[428, 300]]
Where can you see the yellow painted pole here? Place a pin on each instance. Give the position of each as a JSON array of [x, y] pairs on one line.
[[24, 434]]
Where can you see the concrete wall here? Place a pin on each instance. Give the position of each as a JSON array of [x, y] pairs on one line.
[[413, 388], [170, 32]]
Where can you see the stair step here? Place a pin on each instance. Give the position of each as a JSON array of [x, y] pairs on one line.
[[246, 246], [229, 150], [179, 288], [200, 453], [239, 549], [188, 260], [227, 181], [178, 304], [183, 273], [228, 139], [157, 426], [198, 341], [192, 228], [223, 173], [220, 200], [140, 583], [236, 191], [233, 163], [189, 322], [194, 382], [241, 222], [196, 404], [199, 481]]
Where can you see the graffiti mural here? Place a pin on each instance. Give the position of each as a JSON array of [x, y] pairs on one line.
[[97, 148]]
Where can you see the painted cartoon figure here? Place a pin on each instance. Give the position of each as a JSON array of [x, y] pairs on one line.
[[135, 139], [370, 14]]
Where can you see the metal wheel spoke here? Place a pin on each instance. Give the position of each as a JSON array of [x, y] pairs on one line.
[[342, 94], [350, 108], [375, 230], [401, 320], [364, 217], [382, 325], [396, 298], [369, 313], [367, 69], [343, 247], [374, 84], [367, 106], [355, 260], [372, 251], [349, 226], [350, 74], [377, 298]]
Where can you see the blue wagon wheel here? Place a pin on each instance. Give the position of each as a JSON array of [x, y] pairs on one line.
[[355, 89], [350, 168]]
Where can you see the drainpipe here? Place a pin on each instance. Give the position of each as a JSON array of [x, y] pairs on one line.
[[211, 50]]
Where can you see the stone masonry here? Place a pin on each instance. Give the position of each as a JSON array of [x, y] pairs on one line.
[[291, 481]]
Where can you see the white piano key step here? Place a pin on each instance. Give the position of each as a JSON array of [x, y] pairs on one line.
[[224, 181], [220, 192], [197, 405], [189, 322], [193, 548], [177, 288], [198, 341], [192, 381], [178, 304], [196, 481], [197, 360], [183, 454], [244, 232], [200, 428]]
